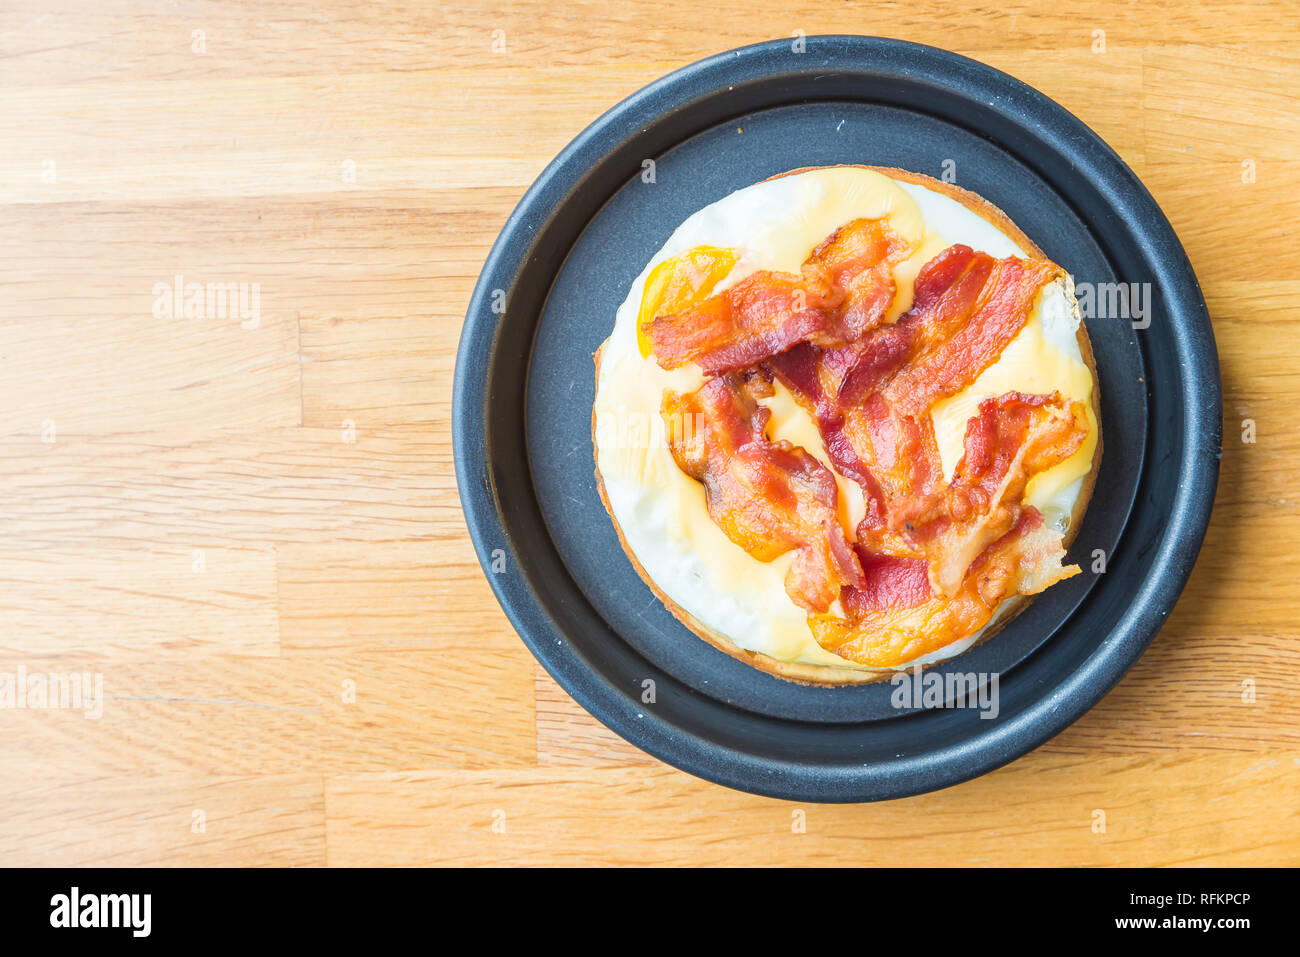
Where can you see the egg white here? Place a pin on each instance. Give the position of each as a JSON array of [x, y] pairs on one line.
[[661, 511]]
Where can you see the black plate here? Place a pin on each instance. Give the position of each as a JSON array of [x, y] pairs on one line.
[[547, 297]]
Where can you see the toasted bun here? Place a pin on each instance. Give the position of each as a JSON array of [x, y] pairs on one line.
[[849, 675]]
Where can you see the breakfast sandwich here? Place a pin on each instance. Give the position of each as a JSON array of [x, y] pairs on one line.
[[847, 422]]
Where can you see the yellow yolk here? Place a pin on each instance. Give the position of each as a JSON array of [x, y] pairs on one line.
[[680, 282]]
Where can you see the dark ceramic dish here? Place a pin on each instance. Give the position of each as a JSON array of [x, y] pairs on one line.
[[546, 299]]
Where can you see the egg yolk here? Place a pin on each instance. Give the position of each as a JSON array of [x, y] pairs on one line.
[[679, 282]]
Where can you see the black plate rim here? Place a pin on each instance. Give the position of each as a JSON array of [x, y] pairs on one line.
[[1005, 740]]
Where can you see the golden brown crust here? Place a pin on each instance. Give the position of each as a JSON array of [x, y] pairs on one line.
[[830, 674]]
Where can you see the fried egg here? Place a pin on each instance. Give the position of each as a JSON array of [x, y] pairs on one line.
[[774, 225]]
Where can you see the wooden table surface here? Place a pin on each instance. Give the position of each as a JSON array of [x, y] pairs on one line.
[[250, 529]]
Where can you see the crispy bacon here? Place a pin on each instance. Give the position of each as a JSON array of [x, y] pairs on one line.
[[844, 289], [860, 256], [932, 560], [768, 497], [896, 623], [892, 457], [891, 582], [966, 307], [967, 324], [871, 407], [762, 315], [1011, 439]]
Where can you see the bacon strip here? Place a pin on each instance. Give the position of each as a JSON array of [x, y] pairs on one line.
[[762, 315], [966, 307], [967, 325], [844, 289], [888, 628], [768, 497], [1011, 439], [872, 405], [891, 582], [860, 256]]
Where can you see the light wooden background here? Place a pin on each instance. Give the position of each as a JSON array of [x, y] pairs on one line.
[[356, 161]]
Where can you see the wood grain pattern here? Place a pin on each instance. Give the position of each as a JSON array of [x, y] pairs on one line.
[[661, 817], [250, 529]]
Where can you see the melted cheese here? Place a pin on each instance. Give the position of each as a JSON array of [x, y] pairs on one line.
[[775, 225]]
